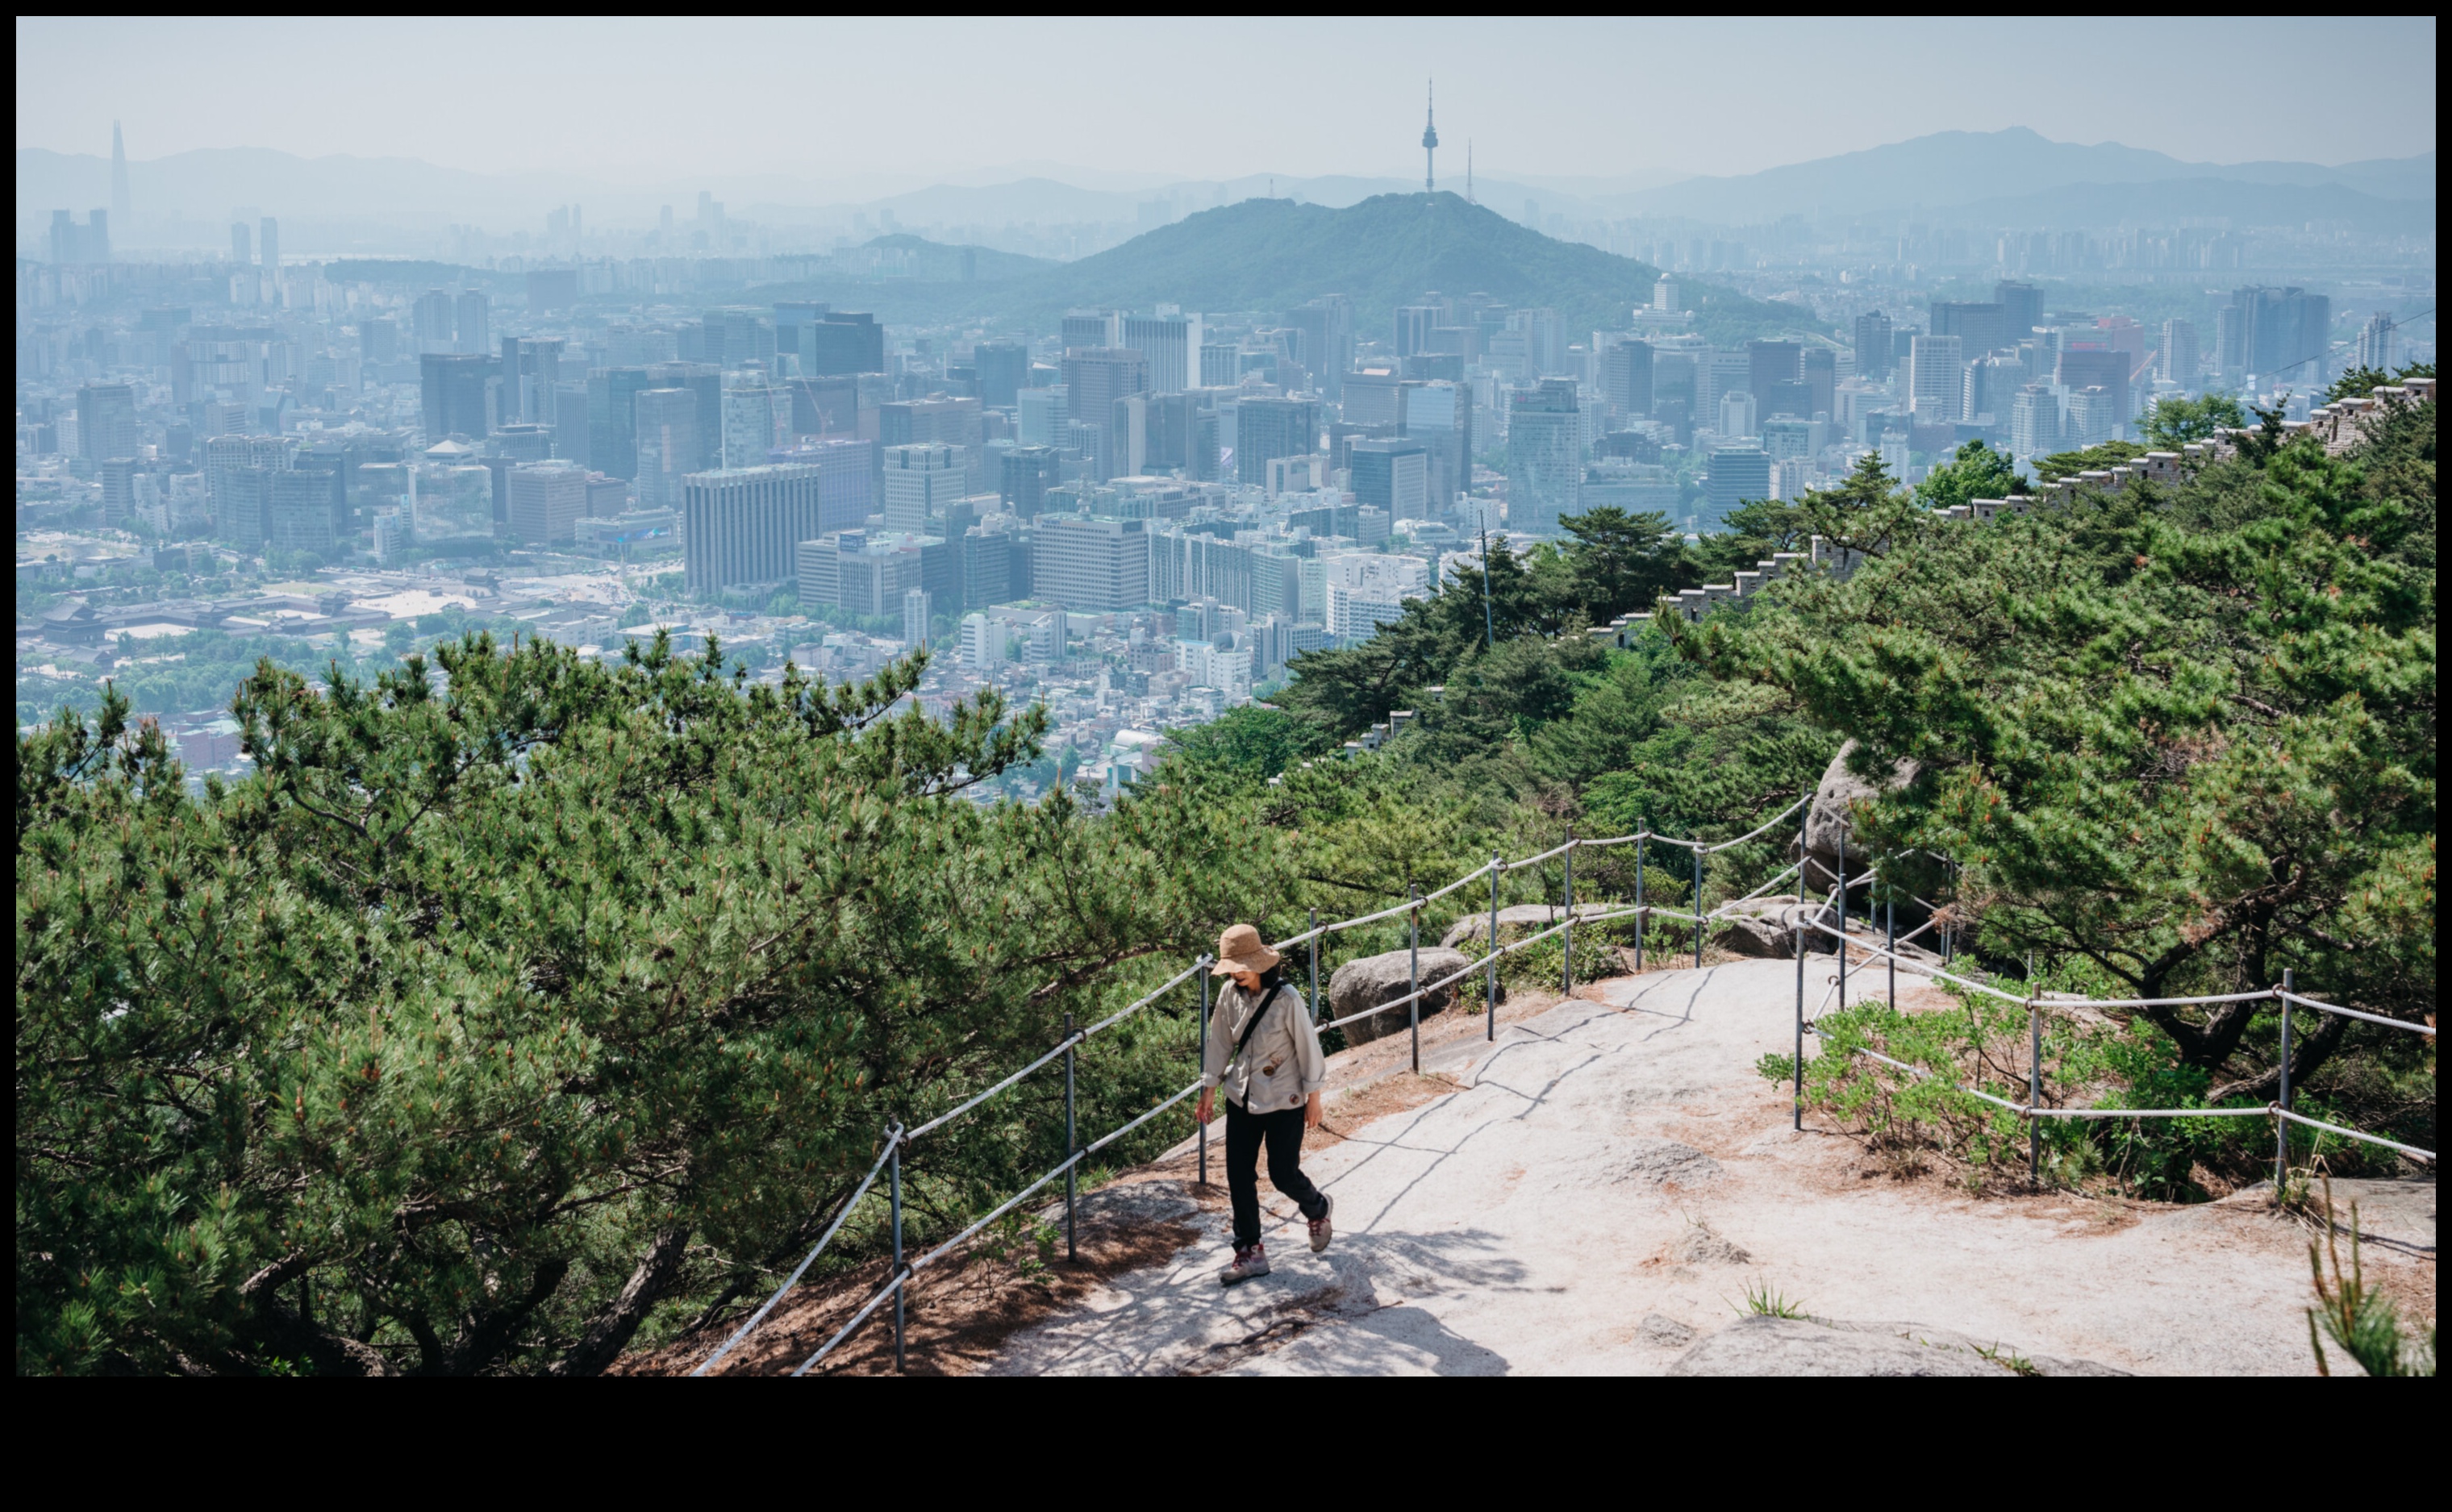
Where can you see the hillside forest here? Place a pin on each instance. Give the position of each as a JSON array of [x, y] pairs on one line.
[[519, 1010]]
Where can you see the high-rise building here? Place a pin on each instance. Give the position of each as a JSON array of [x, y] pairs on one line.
[[756, 418], [2374, 344], [916, 606], [1979, 325], [242, 243], [2098, 369], [744, 525], [1394, 474], [267, 241], [982, 642], [1266, 429], [1170, 344], [1090, 566], [668, 450], [1739, 474], [470, 320], [299, 512], [870, 572], [2035, 423], [842, 341], [1024, 475], [1545, 457], [847, 473], [2278, 330], [453, 387], [1664, 295], [1873, 345], [1004, 368], [1936, 382], [612, 418], [1770, 362], [1821, 369], [920, 481], [547, 500], [2022, 308], [1092, 328], [1327, 331], [1094, 378], [105, 422], [1626, 378], [1043, 413], [1738, 413], [430, 317], [118, 175], [1414, 323], [704, 381], [2178, 354], [1440, 415]]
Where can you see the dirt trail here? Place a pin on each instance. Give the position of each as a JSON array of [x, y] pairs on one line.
[[1603, 1186]]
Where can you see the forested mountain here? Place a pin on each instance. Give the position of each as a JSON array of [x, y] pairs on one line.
[[1270, 255], [506, 1020]]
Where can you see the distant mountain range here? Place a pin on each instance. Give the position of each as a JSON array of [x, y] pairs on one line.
[[1962, 168], [1271, 255], [2013, 175]]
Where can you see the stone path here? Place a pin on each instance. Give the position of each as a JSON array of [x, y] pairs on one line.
[[1611, 1180]]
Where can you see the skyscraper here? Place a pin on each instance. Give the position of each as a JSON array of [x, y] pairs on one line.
[[1738, 475], [1626, 378], [1873, 345], [1545, 457], [118, 176], [920, 481], [1094, 378], [105, 422], [843, 342], [1090, 566], [744, 525], [547, 500], [1770, 362], [1394, 474], [1266, 429], [1003, 367], [668, 446], [1935, 377], [1440, 415], [1171, 346], [242, 243], [2022, 308], [469, 313], [453, 387], [2179, 352], [430, 317]]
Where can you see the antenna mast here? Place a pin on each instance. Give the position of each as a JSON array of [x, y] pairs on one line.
[[1430, 141]]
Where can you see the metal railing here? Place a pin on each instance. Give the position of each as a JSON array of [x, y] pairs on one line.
[[896, 1138], [2032, 1109], [889, 1159]]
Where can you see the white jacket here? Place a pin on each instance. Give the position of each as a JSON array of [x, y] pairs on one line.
[[1281, 1067]]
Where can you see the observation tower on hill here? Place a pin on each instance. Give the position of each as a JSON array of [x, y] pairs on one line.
[[1429, 141]]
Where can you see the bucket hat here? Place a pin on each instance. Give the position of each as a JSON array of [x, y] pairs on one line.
[[1240, 949]]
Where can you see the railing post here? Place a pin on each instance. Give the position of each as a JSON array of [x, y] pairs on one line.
[[1491, 1013], [1890, 940], [1072, 1252], [1203, 973], [2034, 1093], [1843, 918], [894, 1199], [2281, 1126], [1642, 919], [1803, 902], [1699, 907], [1566, 935], [1413, 972], [1314, 965]]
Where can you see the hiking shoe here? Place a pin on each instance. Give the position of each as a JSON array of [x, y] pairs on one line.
[[1322, 1230], [1248, 1264]]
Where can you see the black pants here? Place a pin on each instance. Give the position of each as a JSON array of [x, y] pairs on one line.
[[1284, 1132]]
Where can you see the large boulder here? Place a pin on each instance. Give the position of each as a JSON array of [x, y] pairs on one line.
[[1766, 927], [1374, 979], [1518, 921], [1827, 821]]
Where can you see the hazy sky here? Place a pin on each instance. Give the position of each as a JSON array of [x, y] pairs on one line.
[[820, 98]]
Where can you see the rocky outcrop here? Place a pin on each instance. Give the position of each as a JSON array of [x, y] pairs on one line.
[[1374, 979], [1826, 822], [1766, 927]]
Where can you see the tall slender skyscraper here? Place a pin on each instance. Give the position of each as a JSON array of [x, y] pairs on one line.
[[118, 176], [1429, 140]]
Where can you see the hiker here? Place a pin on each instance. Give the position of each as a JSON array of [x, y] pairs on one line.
[[1263, 1049]]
